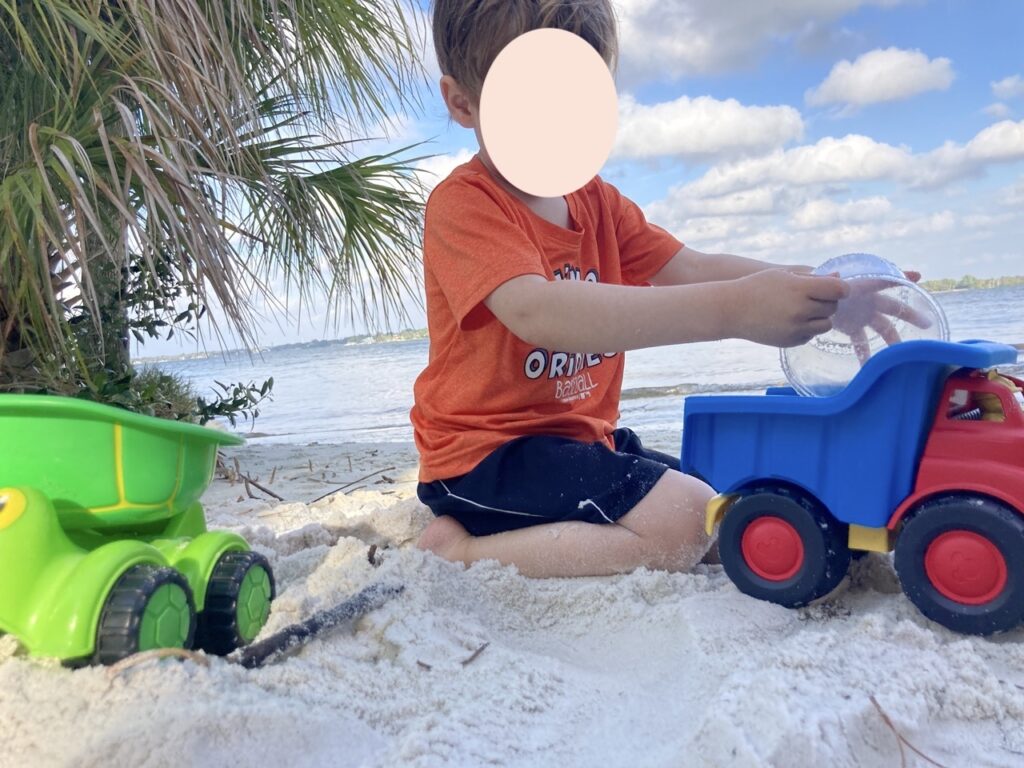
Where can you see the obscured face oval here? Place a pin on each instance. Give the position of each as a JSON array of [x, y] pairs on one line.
[[548, 112]]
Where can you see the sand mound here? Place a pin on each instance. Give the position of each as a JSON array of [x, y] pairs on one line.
[[480, 666]]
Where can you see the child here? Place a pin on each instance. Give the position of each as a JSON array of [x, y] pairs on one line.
[[530, 304]]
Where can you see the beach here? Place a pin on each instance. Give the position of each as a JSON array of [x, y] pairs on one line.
[[480, 666], [308, 225]]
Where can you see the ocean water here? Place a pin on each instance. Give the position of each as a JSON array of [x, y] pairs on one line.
[[329, 391]]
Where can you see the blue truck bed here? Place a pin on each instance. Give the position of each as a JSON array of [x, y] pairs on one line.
[[856, 451]]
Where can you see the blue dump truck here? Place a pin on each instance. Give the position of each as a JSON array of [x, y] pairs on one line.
[[922, 453]]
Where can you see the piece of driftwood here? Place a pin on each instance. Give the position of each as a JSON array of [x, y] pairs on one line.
[[281, 643]]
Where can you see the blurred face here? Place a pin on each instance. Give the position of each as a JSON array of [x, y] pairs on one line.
[[547, 114]]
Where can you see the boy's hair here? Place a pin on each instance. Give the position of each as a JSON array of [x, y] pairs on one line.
[[469, 34]]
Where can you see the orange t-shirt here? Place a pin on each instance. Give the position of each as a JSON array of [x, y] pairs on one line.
[[483, 386]]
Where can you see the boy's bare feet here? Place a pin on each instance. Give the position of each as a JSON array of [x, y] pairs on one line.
[[445, 537]]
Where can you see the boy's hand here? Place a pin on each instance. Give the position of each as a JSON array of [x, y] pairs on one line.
[[868, 308], [783, 308]]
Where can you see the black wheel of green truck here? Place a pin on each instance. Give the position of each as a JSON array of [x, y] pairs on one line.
[[237, 602], [780, 546], [960, 560], [149, 607]]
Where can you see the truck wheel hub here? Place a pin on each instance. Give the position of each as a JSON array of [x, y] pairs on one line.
[[965, 567], [772, 548]]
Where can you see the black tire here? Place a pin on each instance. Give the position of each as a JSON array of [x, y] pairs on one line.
[[118, 634], [219, 630], [807, 524], [975, 600]]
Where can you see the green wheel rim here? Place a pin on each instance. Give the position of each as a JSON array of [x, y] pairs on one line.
[[166, 620], [253, 603]]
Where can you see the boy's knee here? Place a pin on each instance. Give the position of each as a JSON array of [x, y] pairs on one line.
[[673, 510], [687, 494], [680, 542]]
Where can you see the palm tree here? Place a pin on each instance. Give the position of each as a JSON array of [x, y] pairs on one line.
[[161, 156]]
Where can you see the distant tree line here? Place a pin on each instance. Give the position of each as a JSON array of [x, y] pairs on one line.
[[407, 334], [970, 282]]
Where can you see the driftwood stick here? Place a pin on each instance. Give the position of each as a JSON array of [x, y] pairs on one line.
[[262, 488], [901, 739], [346, 485], [281, 643], [473, 656]]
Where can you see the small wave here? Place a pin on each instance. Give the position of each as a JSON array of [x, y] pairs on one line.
[[694, 388], [377, 427], [175, 358]]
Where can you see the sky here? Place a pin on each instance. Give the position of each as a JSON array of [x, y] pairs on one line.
[[796, 130]]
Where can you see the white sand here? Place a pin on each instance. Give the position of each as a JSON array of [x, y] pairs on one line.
[[647, 669]]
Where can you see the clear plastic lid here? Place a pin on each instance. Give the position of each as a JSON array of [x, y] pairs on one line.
[[883, 308]]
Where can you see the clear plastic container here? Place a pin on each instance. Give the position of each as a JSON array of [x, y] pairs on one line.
[[883, 308]]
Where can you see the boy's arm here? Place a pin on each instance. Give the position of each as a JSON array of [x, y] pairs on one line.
[[689, 266], [774, 306]]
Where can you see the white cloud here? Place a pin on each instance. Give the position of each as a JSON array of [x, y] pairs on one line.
[[434, 170], [1013, 195], [1009, 87], [669, 39], [997, 110], [830, 160], [998, 143], [889, 74], [771, 221], [707, 233], [988, 220], [854, 158], [898, 234], [804, 205], [679, 206], [909, 230], [702, 127], [824, 212], [394, 129], [749, 202]]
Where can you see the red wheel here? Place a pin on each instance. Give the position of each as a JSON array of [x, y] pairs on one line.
[[966, 567], [772, 548], [960, 560], [779, 545]]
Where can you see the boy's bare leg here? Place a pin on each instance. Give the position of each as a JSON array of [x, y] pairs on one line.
[[664, 531]]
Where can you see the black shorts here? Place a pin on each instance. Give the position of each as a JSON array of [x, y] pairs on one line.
[[539, 479]]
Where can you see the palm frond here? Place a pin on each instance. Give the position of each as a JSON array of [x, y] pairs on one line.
[[197, 139]]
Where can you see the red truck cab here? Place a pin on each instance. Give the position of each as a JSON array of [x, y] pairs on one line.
[[976, 445], [959, 556]]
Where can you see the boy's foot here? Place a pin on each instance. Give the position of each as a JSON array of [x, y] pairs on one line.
[[445, 537]]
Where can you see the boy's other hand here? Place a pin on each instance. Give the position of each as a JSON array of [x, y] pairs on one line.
[[784, 308], [870, 308]]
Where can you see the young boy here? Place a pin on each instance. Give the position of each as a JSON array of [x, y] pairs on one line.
[[530, 304]]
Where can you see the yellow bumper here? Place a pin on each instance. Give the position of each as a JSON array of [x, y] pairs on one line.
[[715, 510], [870, 539]]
